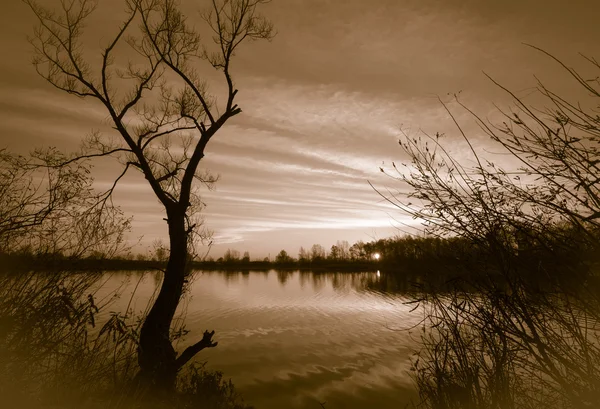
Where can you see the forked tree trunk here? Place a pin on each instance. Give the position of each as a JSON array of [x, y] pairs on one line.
[[156, 355], [157, 358], [59, 60]]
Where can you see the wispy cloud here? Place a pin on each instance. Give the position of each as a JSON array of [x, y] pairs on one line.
[[323, 106]]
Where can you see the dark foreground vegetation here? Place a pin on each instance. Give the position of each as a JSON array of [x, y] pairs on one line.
[[49, 342], [520, 326], [516, 326], [148, 78], [61, 347], [161, 129]]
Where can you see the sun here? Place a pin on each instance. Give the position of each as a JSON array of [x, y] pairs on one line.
[[376, 256]]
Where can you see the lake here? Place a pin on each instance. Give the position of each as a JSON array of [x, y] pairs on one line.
[[292, 339]]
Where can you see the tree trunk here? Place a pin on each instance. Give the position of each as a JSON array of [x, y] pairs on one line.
[[156, 356]]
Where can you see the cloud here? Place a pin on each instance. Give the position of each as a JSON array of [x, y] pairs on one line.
[[323, 105]]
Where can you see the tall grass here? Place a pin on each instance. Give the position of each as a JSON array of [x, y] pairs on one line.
[[61, 348], [521, 329], [516, 347]]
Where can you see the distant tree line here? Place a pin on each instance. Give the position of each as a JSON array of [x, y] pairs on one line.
[[392, 251]]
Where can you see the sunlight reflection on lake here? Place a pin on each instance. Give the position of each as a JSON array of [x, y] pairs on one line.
[[294, 339]]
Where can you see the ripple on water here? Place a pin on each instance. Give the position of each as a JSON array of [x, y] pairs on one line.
[[290, 339]]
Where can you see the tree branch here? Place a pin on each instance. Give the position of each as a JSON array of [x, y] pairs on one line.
[[191, 351]]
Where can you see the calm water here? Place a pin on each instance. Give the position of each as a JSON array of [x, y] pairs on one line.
[[294, 339]]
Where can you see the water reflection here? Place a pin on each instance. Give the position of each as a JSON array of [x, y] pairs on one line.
[[295, 338], [341, 281]]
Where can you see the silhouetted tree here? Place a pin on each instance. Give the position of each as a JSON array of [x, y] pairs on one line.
[[344, 249], [283, 257], [317, 253], [522, 329], [163, 116], [357, 251], [160, 250], [303, 255], [231, 256], [246, 258], [53, 210], [334, 253]]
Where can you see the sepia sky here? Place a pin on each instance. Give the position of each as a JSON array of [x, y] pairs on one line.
[[323, 104]]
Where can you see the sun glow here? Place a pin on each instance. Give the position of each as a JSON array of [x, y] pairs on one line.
[[376, 256]]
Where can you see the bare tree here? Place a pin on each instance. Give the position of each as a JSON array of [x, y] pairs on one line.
[[334, 253], [317, 252], [159, 250], [344, 248], [53, 210], [556, 184], [231, 256], [521, 329], [163, 121], [303, 255]]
